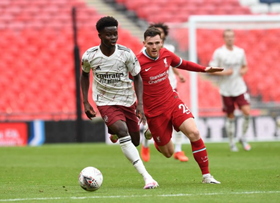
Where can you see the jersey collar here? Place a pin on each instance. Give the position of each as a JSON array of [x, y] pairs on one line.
[[147, 55]]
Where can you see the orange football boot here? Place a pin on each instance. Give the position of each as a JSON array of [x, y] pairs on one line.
[[181, 156], [145, 153]]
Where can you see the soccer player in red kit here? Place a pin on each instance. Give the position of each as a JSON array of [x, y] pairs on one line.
[[163, 107]]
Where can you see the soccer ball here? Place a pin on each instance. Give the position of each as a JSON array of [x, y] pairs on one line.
[[90, 178]]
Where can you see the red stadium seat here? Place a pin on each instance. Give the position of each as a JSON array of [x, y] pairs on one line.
[[43, 29]]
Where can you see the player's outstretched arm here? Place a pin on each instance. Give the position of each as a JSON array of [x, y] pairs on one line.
[[85, 86], [213, 69]]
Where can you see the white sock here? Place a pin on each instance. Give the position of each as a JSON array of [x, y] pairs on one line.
[[206, 175], [230, 129], [245, 126], [131, 153], [145, 142], [177, 140]]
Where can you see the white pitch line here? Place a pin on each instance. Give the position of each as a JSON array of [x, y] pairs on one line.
[[133, 196]]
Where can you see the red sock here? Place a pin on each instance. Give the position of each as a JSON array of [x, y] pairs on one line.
[[200, 155]]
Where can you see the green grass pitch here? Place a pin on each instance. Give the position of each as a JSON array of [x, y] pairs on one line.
[[50, 174]]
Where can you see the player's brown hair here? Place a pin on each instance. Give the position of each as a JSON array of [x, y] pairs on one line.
[[151, 32], [164, 27]]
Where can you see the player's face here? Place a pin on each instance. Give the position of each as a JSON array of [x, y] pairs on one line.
[[109, 36], [153, 45], [229, 38], [162, 35]]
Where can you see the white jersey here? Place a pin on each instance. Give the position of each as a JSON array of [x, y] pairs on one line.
[[111, 83], [232, 85], [171, 75]]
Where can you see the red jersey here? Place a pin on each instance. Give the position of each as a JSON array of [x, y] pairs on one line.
[[157, 91]]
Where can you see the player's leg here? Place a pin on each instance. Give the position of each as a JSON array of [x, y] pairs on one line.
[[183, 120], [167, 150], [131, 152], [244, 105], [115, 118], [228, 107], [132, 123], [178, 139], [133, 127], [145, 150], [188, 127], [246, 118], [230, 130], [161, 130]]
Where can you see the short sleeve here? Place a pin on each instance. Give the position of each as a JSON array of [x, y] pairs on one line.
[[85, 63], [215, 59], [132, 64], [244, 61]]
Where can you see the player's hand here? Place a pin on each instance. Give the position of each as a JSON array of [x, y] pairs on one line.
[[89, 111], [140, 114], [213, 69]]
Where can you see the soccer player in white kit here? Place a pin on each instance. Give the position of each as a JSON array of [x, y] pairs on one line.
[[232, 86], [113, 91], [178, 135]]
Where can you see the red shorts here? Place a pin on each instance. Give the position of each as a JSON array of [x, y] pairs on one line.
[[111, 114], [230, 102], [161, 126]]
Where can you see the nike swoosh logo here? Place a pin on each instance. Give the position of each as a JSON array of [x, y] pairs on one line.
[[148, 69]]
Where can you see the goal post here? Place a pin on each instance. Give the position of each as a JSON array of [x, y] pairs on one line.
[[221, 22]]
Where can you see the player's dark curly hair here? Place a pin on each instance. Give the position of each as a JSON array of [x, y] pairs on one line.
[[164, 27], [106, 22], [151, 32]]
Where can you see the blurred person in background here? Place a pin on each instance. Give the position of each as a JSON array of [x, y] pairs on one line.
[[113, 91], [172, 72], [232, 87]]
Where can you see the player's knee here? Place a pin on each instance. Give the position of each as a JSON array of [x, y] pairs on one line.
[[168, 154], [122, 132], [194, 135], [135, 142]]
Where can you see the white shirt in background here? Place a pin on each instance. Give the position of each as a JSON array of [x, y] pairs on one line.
[[232, 85]]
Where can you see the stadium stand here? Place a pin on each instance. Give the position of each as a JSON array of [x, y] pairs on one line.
[[37, 67]]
